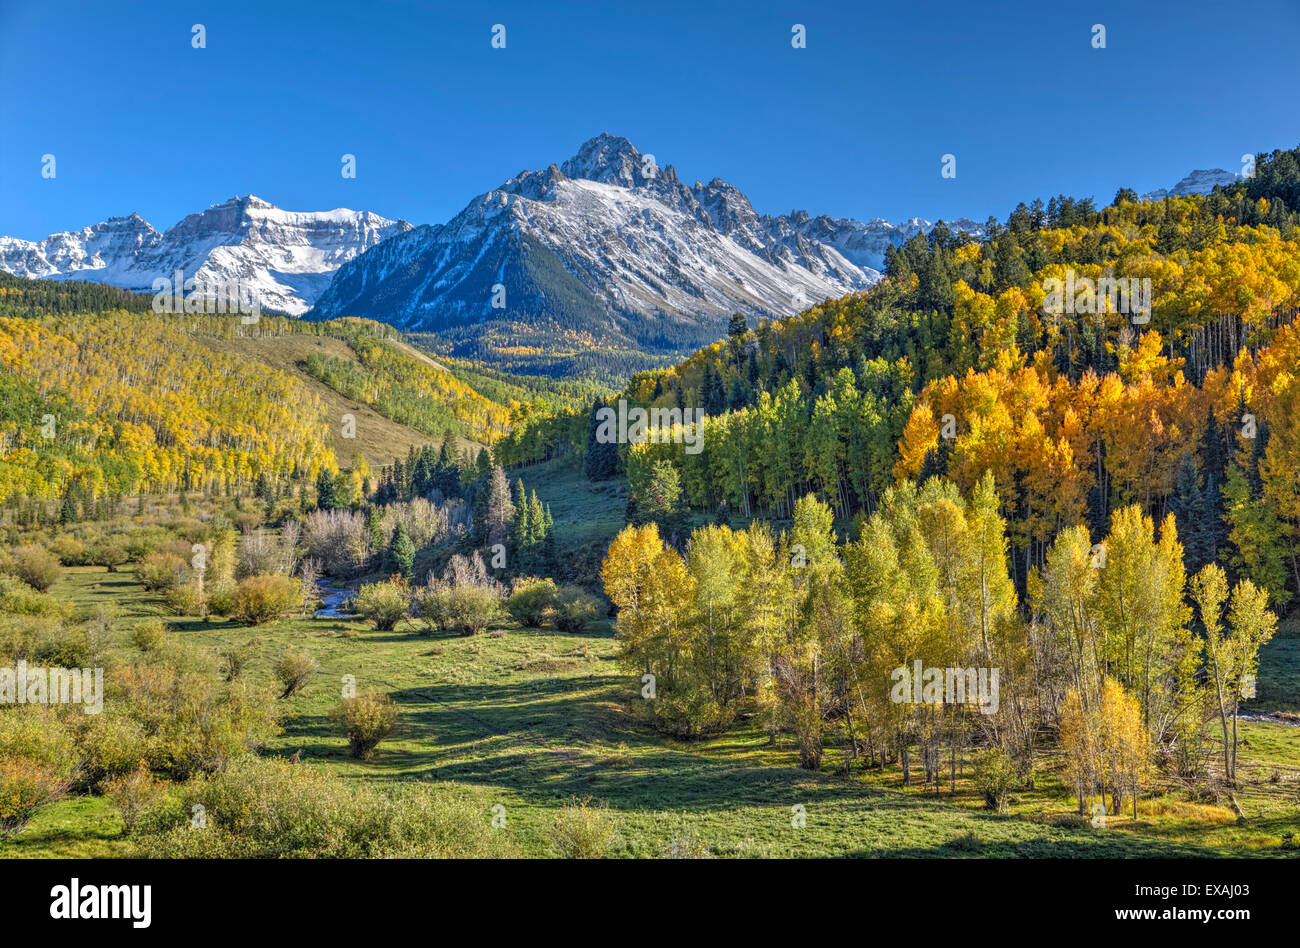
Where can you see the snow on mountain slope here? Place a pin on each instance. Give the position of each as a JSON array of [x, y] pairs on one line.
[[610, 243], [287, 257], [1198, 182]]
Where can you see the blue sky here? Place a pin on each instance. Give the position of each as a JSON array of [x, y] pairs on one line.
[[853, 125]]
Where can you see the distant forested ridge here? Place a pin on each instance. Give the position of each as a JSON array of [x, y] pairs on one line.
[[954, 366]]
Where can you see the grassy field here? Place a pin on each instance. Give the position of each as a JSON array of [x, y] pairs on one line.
[[530, 719]]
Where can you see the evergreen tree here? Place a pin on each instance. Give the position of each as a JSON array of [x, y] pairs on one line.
[[1187, 504], [326, 499], [68, 509], [601, 461], [715, 399], [401, 553], [549, 558]]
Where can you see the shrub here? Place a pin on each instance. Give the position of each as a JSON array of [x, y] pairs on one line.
[[109, 745], [20, 636], [182, 718], [366, 719], [260, 599], [185, 599], [159, 571], [25, 786], [110, 554], [235, 657], [384, 604], [532, 601], [464, 609], [35, 565], [221, 602], [259, 552], [246, 520], [42, 735], [133, 794], [582, 831], [62, 646], [149, 636], [995, 776], [267, 808], [17, 598], [293, 669], [70, 550], [575, 609], [140, 543]]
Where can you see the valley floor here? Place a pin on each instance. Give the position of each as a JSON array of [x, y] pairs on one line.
[[531, 719]]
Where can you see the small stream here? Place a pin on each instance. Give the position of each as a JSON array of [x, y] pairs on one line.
[[334, 601], [1290, 720]]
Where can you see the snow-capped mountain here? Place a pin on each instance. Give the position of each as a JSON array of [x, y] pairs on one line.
[[1198, 182], [287, 257], [610, 243]]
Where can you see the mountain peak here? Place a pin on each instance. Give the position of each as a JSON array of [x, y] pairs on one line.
[[245, 201], [610, 159], [1200, 181]]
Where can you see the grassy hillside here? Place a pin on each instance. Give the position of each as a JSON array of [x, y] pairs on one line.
[[378, 439]]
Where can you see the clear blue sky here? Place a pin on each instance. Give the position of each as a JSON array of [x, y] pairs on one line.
[[853, 125]]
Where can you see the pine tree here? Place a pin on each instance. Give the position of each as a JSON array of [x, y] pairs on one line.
[[601, 461], [1187, 504], [711, 392], [521, 530], [401, 553], [68, 509], [326, 499], [549, 559]]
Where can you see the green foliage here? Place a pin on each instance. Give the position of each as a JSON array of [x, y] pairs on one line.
[[263, 598], [995, 778], [25, 787], [575, 609], [294, 669], [532, 601], [384, 604], [401, 553], [467, 610], [275, 809], [149, 636], [34, 565], [133, 795], [583, 830], [366, 720]]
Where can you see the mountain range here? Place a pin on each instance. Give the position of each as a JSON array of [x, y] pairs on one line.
[[607, 245], [611, 244], [286, 257]]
